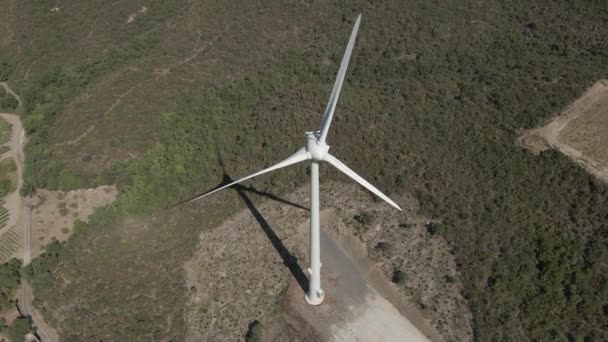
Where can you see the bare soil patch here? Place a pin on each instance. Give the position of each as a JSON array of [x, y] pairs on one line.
[[237, 276], [134, 15], [580, 131], [55, 212]]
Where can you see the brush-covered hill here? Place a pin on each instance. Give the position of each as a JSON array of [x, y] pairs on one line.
[[145, 95]]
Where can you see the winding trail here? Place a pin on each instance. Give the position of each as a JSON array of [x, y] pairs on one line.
[[19, 208], [10, 91]]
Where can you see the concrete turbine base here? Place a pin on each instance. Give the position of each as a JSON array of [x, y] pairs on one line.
[[320, 295]]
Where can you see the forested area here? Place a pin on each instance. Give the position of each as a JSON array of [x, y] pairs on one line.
[[10, 276], [444, 90]]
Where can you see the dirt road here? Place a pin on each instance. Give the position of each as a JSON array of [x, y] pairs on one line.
[[357, 305], [373, 317], [10, 91], [19, 212]]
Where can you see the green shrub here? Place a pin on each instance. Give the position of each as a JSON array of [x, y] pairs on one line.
[[5, 71], [254, 333], [363, 218], [20, 327], [398, 277]]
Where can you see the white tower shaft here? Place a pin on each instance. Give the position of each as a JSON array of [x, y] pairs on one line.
[[315, 293], [316, 150]]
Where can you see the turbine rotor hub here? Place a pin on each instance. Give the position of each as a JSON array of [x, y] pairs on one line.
[[316, 150]]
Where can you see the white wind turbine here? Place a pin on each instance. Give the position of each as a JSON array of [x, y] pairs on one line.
[[316, 150]]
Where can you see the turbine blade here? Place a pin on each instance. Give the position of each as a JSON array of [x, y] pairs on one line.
[[297, 157], [335, 94], [340, 166]]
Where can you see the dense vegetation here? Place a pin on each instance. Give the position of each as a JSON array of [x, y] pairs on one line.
[[20, 327], [10, 276], [7, 102], [45, 95], [5, 71], [7, 177], [444, 90]]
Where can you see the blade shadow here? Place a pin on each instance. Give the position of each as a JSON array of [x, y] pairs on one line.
[[269, 195], [289, 260]]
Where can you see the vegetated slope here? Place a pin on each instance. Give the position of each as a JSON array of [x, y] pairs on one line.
[[442, 91]]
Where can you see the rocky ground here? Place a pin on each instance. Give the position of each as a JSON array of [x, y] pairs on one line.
[[239, 275]]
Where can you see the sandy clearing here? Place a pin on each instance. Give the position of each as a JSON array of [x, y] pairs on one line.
[[54, 212], [134, 15], [550, 135]]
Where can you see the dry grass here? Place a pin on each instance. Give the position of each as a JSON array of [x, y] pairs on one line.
[[56, 211]]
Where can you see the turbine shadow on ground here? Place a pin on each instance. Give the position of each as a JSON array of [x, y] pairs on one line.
[[289, 260]]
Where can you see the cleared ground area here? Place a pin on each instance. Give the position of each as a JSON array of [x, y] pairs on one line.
[[252, 268], [580, 131], [55, 212]]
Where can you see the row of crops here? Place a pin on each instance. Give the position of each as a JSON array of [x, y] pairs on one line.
[[9, 238], [5, 136], [3, 214], [9, 243]]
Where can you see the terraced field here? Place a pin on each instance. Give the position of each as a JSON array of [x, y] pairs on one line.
[[588, 132], [579, 131], [3, 214], [9, 243], [5, 136], [9, 237]]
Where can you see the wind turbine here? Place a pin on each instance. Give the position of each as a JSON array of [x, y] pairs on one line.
[[316, 150]]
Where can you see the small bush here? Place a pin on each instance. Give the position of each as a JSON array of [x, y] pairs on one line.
[[19, 328], [432, 228], [398, 277], [363, 218], [5, 187], [382, 246], [254, 334]]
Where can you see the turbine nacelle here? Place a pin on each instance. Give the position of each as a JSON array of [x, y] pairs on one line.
[[315, 149]]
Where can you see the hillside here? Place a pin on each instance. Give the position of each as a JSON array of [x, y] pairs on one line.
[[433, 103]]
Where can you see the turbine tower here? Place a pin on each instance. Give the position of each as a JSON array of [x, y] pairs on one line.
[[315, 151]]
